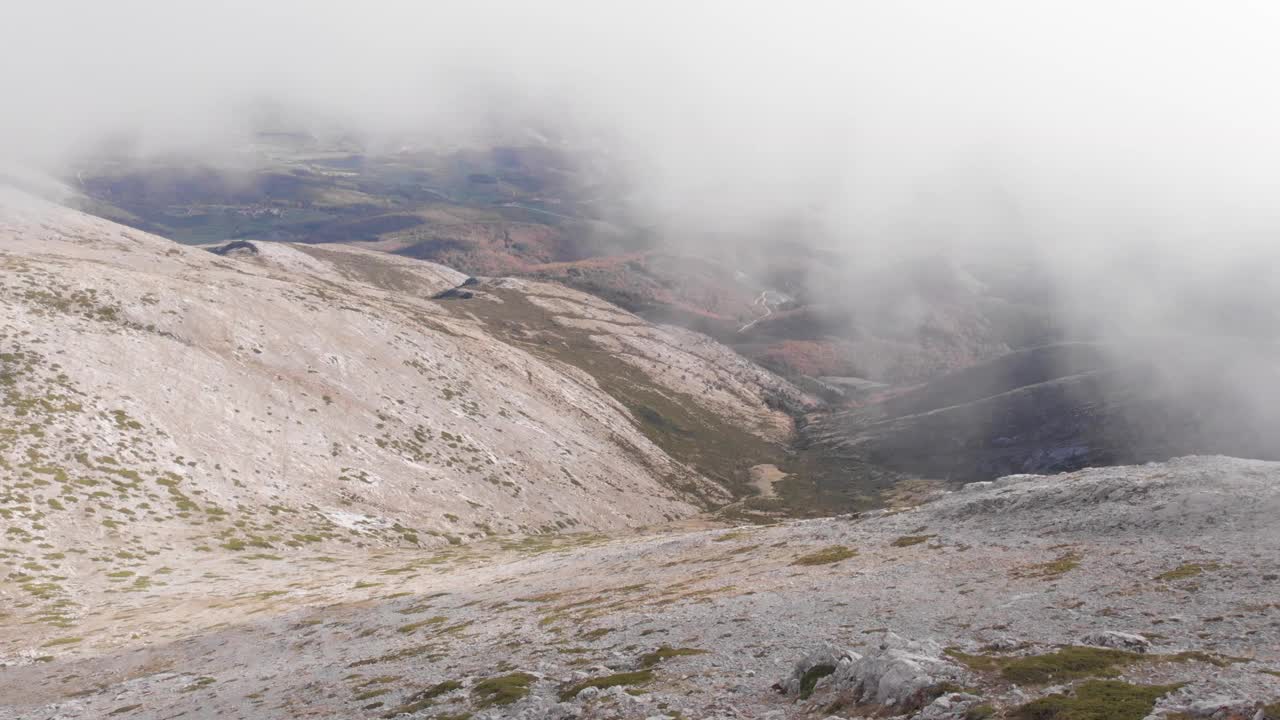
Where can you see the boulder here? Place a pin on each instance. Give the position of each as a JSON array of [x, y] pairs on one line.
[[900, 673], [949, 706], [821, 662], [1117, 641]]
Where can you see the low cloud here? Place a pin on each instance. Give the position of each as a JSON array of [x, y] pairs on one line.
[[1129, 148]]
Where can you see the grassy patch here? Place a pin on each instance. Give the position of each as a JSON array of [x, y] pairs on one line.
[[811, 678], [826, 556], [1068, 663], [1186, 570], [1096, 700], [1199, 656], [1051, 570], [412, 627], [909, 540], [501, 690], [62, 641], [423, 698], [199, 683], [627, 678], [650, 659]]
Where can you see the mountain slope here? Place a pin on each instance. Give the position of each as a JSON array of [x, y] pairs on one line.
[[1062, 407], [161, 399]]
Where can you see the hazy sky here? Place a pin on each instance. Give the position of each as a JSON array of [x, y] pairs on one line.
[[1085, 122]]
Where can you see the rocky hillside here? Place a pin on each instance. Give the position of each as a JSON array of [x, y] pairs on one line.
[[269, 398], [1114, 594]]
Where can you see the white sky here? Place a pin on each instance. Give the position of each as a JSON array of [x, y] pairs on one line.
[[1098, 122]]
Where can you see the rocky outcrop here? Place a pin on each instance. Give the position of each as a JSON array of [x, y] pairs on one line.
[[809, 670], [898, 675], [1129, 642]]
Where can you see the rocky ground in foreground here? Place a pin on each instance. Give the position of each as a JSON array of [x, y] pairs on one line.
[[1109, 593]]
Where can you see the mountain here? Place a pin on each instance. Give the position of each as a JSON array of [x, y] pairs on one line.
[[556, 213], [161, 399], [273, 479]]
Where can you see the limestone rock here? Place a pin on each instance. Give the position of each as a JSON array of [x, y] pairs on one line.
[[897, 672], [1117, 641], [951, 706], [820, 662]]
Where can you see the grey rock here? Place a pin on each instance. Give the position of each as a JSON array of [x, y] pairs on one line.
[[1002, 644], [827, 654], [951, 706], [1220, 707], [899, 670], [1117, 640]]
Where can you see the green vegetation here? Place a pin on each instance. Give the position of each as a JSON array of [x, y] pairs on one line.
[[1096, 700], [811, 678], [422, 698], [501, 690], [199, 683], [1186, 570], [1199, 656], [62, 641], [411, 627], [1068, 663], [909, 540], [1053, 569], [826, 556], [650, 659], [626, 678]]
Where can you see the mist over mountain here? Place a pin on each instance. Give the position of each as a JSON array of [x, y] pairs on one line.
[[583, 361]]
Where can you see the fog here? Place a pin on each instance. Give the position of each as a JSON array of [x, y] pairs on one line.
[[1115, 142]]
